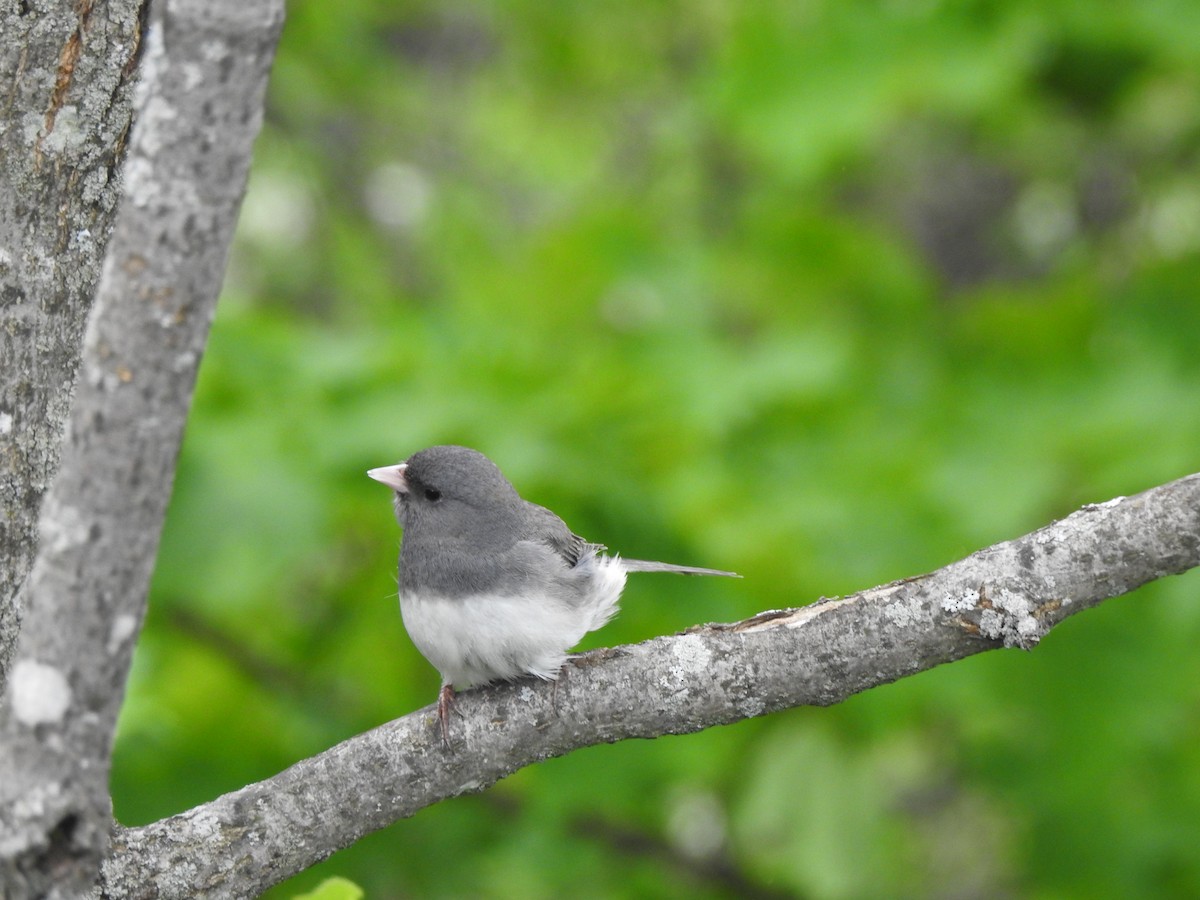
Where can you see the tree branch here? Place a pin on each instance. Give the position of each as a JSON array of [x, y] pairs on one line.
[[1007, 595], [200, 109]]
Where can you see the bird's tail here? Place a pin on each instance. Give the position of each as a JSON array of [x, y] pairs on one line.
[[645, 565]]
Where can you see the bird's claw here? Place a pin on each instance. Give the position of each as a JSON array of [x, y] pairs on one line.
[[444, 704]]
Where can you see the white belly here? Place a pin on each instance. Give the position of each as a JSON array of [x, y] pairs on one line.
[[484, 638]]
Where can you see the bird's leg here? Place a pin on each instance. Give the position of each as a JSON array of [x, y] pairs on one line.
[[554, 690], [445, 702]]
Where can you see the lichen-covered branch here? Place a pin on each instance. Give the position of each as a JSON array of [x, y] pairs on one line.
[[66, 78], [1010, 595], [199, 111]]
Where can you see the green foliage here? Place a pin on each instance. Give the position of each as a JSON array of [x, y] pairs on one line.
[[827, 293], [333, 889]]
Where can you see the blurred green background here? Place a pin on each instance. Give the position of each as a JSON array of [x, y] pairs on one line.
[[829, 293]]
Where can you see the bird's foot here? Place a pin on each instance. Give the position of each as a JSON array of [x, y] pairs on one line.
[[562, 674], [444, 704]]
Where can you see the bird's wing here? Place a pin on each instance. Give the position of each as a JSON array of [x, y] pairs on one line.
[[544, 526]]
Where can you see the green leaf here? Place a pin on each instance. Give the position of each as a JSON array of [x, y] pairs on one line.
[[335, 888]]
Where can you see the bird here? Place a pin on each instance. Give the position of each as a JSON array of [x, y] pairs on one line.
[[493, 587]]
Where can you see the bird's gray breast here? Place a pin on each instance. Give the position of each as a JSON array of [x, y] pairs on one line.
[[451, 568]]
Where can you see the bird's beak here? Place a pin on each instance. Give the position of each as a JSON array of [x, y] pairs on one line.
[[392, 476]]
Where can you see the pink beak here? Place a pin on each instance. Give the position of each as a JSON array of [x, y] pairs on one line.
[[392, 476]]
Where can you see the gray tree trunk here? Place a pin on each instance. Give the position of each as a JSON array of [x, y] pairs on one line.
[[66, 76], [199, 110]]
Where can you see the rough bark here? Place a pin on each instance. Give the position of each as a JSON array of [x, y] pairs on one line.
[[199, 110], [66, 76], [1008, 595]]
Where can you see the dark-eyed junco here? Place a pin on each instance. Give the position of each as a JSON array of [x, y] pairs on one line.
[[493, 587]]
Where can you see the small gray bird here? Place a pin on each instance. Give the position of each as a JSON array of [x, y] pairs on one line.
[[493, 587]]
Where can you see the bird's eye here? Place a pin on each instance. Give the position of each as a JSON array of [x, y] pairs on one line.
[[433, 495]]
